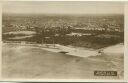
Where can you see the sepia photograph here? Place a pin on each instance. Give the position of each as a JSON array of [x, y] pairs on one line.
[[62, 40]]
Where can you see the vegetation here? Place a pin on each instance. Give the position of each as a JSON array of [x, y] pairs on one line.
[[104, 30]]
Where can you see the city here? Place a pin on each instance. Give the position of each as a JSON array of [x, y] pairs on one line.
[[62, 40]]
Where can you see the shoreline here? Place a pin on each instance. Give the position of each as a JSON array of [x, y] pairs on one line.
[[77, 51]]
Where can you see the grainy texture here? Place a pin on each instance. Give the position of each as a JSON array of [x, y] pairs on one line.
[[62, 40], [33, 62]]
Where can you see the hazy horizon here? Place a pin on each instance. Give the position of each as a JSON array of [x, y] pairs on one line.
[[62, 7]]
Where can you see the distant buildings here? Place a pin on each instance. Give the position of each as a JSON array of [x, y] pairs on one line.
[[117, 29], [97, 28]]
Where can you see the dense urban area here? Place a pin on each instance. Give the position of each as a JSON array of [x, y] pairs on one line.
[[92, 31]]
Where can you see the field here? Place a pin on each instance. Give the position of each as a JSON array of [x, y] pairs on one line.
[[24, 61]]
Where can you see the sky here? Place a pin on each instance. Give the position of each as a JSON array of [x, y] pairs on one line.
[[62, 7]]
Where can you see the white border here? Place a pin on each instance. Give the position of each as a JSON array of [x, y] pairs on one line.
[[78, 80], [126, 43]]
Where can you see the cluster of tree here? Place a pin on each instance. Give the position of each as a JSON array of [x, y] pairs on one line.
[[54, 29], [59, 36]]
